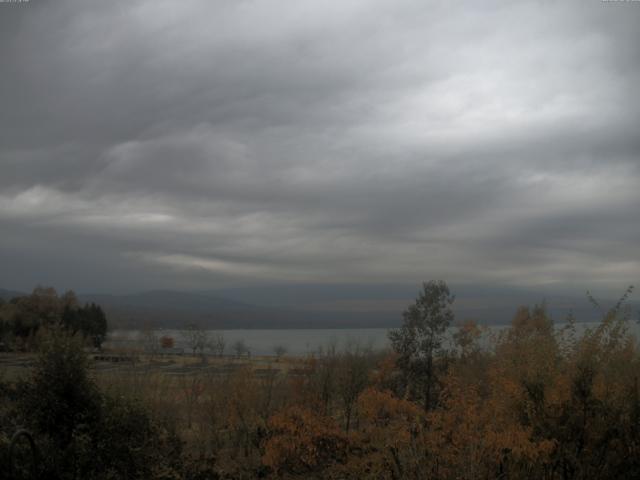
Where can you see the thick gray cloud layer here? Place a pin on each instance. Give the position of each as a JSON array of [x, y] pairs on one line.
[[198, 144]]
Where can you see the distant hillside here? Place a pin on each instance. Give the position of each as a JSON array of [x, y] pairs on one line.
[[486, 305], [166, 299], [9, 294], [174, 309], [315, 307], [168, 308], [336, 308]]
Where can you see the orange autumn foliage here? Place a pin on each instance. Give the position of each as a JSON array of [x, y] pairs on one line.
[[389, 428], [303, 441], [166, 341], [475, 437]]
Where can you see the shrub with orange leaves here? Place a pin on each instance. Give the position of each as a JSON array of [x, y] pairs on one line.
[[467, 337], [385, 446], [480, 437], [302, 441], [166, 341], [381, 409], [387, 376]]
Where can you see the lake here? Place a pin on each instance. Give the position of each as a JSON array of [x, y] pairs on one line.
[[301, 341], [262, 342]]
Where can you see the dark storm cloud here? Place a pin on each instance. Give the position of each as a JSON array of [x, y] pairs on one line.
[[198, 144]]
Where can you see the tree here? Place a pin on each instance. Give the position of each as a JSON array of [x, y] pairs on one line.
[[166, 342], [89, 320], [82, 432], [44, 308], [389, 442], [69, 299], [322, 383], [352, 379], [420, 337], [303, 442], [95, 324], [192, 388], [240, 347], [196, 338], [149, 339], [467, 338], [242, 407], [279, 350], [60, 396], [217, 344]]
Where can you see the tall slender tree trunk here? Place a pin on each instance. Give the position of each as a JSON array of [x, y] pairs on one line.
[[428, 384]]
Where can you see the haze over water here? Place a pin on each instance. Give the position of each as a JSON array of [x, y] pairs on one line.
[[308, 341]]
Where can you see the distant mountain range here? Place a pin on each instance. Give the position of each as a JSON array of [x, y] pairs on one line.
[[168, 308], [8, 294], [174, 309], [314, 306]]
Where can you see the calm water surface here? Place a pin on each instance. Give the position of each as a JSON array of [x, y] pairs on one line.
[[302, 341]]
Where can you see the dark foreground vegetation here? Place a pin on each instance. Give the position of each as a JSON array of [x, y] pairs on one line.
[[539, 402]]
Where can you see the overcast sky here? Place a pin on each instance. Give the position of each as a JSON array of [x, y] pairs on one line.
[[201, 144]]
